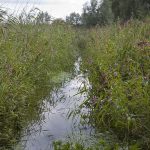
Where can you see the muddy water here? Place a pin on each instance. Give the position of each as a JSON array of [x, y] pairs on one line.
[[55, 123]]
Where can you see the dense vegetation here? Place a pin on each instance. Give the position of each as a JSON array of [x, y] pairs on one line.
[[31, 56], [115, 57], [107, 11]]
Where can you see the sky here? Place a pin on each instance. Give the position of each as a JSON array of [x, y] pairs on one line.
[[56, 8]]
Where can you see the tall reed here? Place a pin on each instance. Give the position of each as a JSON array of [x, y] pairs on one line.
[[117, 60], [30, 57]]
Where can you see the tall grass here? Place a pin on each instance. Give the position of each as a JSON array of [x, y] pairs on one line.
[[117, 60], [30, 57]]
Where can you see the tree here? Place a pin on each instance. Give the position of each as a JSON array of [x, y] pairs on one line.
[[107, 16], [43, 18], [126, 9], [91, 14], [106, 11], [74, 19], [97, 13]]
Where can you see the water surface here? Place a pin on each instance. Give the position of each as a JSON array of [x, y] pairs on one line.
[[55, 124]]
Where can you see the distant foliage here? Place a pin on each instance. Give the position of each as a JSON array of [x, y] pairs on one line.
[[58, 21], [74, 19], [97, 13], [107, 11], [127, 9], [91, 13], [43, 17]]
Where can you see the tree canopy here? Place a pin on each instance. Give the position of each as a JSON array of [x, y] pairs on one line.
[[74, 19], [127, 9], [103, 12]]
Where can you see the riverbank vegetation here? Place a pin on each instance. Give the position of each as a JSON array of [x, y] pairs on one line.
[[106, 12], [113, 39], [31, 58], [117, 60], [116, 57]]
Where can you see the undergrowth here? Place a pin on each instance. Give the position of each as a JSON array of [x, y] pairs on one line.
[[117, 61], [115, 58], [30, 57]]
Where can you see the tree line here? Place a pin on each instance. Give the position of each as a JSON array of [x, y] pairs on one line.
[[96, 12], [107, 11]]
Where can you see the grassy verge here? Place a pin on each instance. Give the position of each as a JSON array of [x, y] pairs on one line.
[[30, 58], [117, 61]]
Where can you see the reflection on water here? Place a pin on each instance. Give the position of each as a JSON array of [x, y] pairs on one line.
[[55, 124]]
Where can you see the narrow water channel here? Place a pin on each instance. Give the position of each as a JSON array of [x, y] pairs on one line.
[[55, 124]]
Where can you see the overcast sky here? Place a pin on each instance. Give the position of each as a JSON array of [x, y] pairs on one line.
[[56, 8]]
